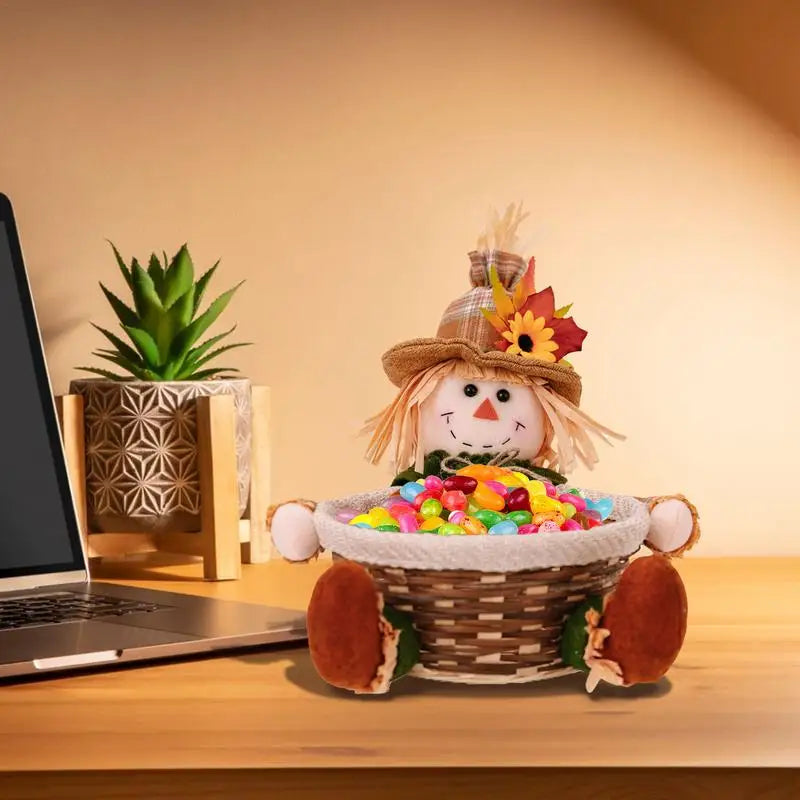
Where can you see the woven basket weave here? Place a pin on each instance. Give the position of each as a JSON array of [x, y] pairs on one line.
[[488, 609]]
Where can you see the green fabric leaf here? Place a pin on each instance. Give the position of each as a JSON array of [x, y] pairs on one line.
[[145, 345], [179, 277], [200, 286], [189, 335], [574, 636], [408, 644], [156, 273], [125, 314], [123, 267], [122, 347]]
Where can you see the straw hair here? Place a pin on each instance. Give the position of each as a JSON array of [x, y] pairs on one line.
[[567, 428]]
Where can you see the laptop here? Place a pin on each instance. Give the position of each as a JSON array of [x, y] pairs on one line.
[[53, 618]]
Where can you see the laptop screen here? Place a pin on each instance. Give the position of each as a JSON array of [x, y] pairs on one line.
[[38, 533]]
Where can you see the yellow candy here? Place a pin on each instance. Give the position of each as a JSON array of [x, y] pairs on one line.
[[486, 498], [535, 488], [361, 518], [509, 480], [544, 503], [379, 516], [474, 527], [568, 510], [548, 516], [431, 524]]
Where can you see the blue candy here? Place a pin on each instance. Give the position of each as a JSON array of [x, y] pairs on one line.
[[604, 506], [505, 527], [408, 491]]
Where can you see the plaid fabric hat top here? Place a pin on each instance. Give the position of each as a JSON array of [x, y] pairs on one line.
[[464, 333], [463, 319]]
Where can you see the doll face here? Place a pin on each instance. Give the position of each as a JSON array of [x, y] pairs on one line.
[[482, 416]]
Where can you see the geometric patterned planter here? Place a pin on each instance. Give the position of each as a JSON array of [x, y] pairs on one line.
[[141, 451]]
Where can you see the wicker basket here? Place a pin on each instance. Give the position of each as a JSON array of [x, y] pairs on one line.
[[488, 609]]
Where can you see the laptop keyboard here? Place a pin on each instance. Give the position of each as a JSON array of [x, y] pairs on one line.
[[49, 609]]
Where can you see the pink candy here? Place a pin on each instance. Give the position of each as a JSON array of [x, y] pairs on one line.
[[408, 523], [548, 526], [575, 500], [550, 489], [497, 487], [397, 510], [456, 517], [571, 525], [434, 485], [529, 528]]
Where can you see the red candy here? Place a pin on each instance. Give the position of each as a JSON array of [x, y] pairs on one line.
[[397, 510], [461, 483], [518, 500], [422, 497], [454, 500]]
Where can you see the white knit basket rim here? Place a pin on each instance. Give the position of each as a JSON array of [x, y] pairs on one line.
[[491, 554]]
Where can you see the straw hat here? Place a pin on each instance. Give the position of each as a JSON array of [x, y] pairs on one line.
[[500, 322]]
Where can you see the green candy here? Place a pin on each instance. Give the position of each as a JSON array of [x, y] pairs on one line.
[[392, 528], [451, 529], [520, 517], [488, 517]]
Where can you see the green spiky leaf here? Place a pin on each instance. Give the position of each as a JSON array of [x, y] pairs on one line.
[[200, 286], [189, 335], [190, 367], [179, 277], [156, 273], [122, 347], [112, 376], [146, 345], [125, 314], [137, 369], [203, 347], [148, 303], [123, 267]]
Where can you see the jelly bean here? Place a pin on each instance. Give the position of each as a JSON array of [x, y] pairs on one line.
[[520, 517], [401, 509], [526, 529], [421, 482], [518, 500], [433, 483], [473, 526], [421, 498], [568, 510], [408, 523], [408, 491], [536, 487], [430, 508], [431, 524], [488, 517], [480, 472], [379, 513], [543, 503], [590, 513], [456, 517], [361, 519], [395, 498], [550, 489], [549, 516], [571, 525], [392, 528], [521, 477], [346, 514], [361, 525], [498, 488], [472, 507], [454, 500], [504, 528], [450, 529], [460, 483], [575, 500], [548, 526], [593, 523], [604, 506], [487, 498], [510, 481]]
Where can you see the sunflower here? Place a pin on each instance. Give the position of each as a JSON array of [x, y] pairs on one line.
[[530, 338]]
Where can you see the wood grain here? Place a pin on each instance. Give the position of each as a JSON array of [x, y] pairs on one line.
[[260, 545], [731, 700]]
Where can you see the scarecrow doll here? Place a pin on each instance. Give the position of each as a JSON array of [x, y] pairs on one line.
[[493, 388]]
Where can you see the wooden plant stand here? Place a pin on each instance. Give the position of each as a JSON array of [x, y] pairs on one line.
[[224, 540]]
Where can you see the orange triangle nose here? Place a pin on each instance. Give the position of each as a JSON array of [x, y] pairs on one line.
[[485, 411]]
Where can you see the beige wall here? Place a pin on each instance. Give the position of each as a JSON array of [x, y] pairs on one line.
[[341, 157]]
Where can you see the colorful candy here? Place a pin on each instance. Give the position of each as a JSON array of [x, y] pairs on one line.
[[482, 499]]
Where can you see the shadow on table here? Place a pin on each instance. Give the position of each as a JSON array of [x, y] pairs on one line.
[[302, 674]]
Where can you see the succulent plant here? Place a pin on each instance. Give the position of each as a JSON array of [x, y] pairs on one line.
[[164, 325]]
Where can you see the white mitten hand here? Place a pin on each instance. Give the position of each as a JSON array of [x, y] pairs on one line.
[[293, 532], [673, 525]]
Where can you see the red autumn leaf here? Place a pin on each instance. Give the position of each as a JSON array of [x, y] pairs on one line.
[[541, 304], [567, 335]]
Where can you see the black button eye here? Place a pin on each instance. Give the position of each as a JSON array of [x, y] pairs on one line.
[[503, 395], [470, 390]]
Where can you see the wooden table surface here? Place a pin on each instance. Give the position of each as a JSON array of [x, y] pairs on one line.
[[731, 700]]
